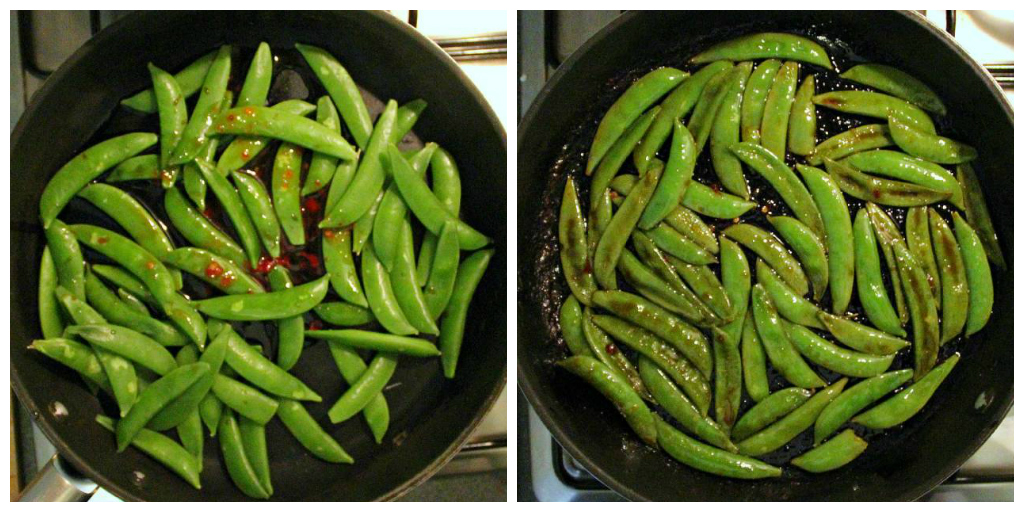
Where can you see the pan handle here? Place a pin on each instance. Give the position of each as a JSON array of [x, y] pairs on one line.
[[56, 481]]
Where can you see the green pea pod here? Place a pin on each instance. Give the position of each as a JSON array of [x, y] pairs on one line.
[[919, 241], [266, 306], [784, 181], [164, 450], [674, 179], [861, 337], [575, 257], [977, 213], [653, 258], [190, 79], [877, 105], [364, 390], [619, 152], [835, 358], [240, 469], [836, 453], [882, 191], [925, 144], [381, 296], [352, 367], [363, 227], [870, 288], [680, 301], [50, 322], [233, 206], [407, 291], [290, 331], [768, 410], [182, 407], [855, 399], [803, 120], [340, 313], [979, 276], [791, 425], [675, 106], [618, 392], [706, 285], [206, 109], [321, 166], [754, 96], [244, 399], [602, 348], [852, 141], [279, 124], [952, 275], [343, 176], [898, 83], [766, 45], [908, 402], [156, 397], [679, 246], [74, 355], [771, 250], [142, 167], [683, 337], [711, 460], [130, 215], [809, 250], [77, 309], [886, 231], [780, 350], [838, 233], [725, 131], [260, 371], [755, 373], [791, 306], [343, 90], [685, 221], [616, 234], [210, 411], [195, 185], [735, 270], [286, 192], [894, 164], [923, 314], [260, 208], [406, 118], [391, 213], [728, 378], [453, 323], [131, 345], [777, 109], [441, 282], [698, 197], [254, 444], [257, 79], [123, 280], [711, 98], [340, 267], [132, 302], [245, 148], [570, 319], [668, 395], [173, 114], [301, 424], [638, 98], [198, 230], [67, 257], [448, 189], [220, 273], [87, 166]]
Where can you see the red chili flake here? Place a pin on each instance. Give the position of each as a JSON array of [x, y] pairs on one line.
[[611, 349], [249, 111], [265, 265], [213, 270], [311, 204], [328, 233], [313, 259], [102, 240], [587, 268], [715, 187], [245, 154], [287, 175], [227, 280], [150, 265], [208, 212], [231, 117], [613, 195], [316, 325]]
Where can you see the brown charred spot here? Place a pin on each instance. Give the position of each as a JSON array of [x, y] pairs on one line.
[[231, 118], [150, 265], [102, 240]]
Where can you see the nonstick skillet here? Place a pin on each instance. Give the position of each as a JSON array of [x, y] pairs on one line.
[[553, 140], [430, 416]]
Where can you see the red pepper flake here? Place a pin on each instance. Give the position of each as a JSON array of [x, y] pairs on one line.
[[316, 325], [227, 280], [265, 265], [249, 111], [611, 349], [305, 166], [102, 240], [208, 212], [715, 187], [328, 233], [245, 154], [313, 259], [311, 204], [231, 118], [213, 270], [287, 174], [613, 195], [150, 265]]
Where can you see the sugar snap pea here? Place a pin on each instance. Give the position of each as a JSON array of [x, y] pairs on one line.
[[855, 399], [771, 250], [898, 83], [698, 197], [882, 191], [233, 206], [406, 118], [575, 257], [190, 79], [245, 148], [894, 164], [391, 212], [768, 410], [453, 323], [790, 306], [861, 337], [668, 395], [925, 144], [952, 277], [755, 373], [767, 45], [919, 241], [256, 85], [74, 355], [441, 281], [244, 399], [781, 432], [680, 246], [302, 425], [448, 189], [290, 331], [619, 152], [122, 279], [809, 249], [777, 109], [833, 357], [706, 285], [979, 276], [352, 367], [254, 444], [129, 344], [870, 288], [855, 140], [132, 301], [685, 221], [164, 450], [381, 296], [728, 377], [780, 350], [154, 398], [343, 90], [198, 230], [363, 227], [570, 320], [364, 390], [618, 392], [784, 181], [266, 306], [877, 105], [260, 208], [615, 236], [836, 453], [378, 341], [711, 98], [67, 257], [341, 313], [681, 301], [278, 124], [171, 108], [321, 166], [338, 262], [803, 120], [262, 372], [735, 270], [50, 322], [908, 402], [239, 467], [602, 348], [220, 273], [758, 85], [178, 411], [977, 213], [725, 131], [886, 232], [709, 459], [923, 314], [210, 411], [206, 109], [141, 167], [838, 233], [77, 309], [195, 185], [286, 193], [675, 178]]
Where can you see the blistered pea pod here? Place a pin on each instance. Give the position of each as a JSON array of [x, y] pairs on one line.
[[141, 167], [893, 164], [781, 432], [955, 295], [728, 378], [164, 450], [668, 395], [766, 45], [698, 197], [979, 276], [877, 105], [791, 306], [628, 403], [885, 230], [218, 272], [861, 337], [836, 453], [855, 399], [706, 286], [828, 196], [771, 250], [570, 320], [977, 213], [575, 258], [897, 83], [923, 314], [615, 236], [654, 260], [879, 190], [919, 241], [768, 410], [200, 124], [870, 288], [710, 459], [725, 132], [679, 245], [286, 192], [835, 358], [803, 120], [711, 98], [793, 192], [924, 144], [784, 357], [685, 221], [603, 348], [675, 177], [752, 357], [852, 141], [190, 78], [908, 402], [617, 155], [198, 230], [260, 207], [809, 249], [754, 95], [778, 107], [735, 270]]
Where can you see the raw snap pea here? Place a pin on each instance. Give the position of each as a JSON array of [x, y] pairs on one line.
[[266, 306], [286, 192], [164, 450], [279, 124], [668, 395], [711, 98], [685, 221], [771, 250], [260, 208], [777, 109], [803, 120], [198, 230], [838, 452], [364, 390], [74, 355], [77, 309], [340, 313], [886, 231], [154, 398], [754, 96], [898, 83], [853, 400], [861, 138], [262, 372], [784, 181], [712, 460], [728, 377], [170, 105], [725, 131], [638, 98], [448, 189], [780, 351], [363, 227], [809, 249], [406, 118], [182, 407], [861, 337], [343, 91], [925, 144], [352, 367], [682, 336], [767, 45], [706, 285], [254, 443], [210, 411], [245, 148], [977, 213], [233, 206], [66, 257], [257, 78], [680, 246], [378, 341], [791, 306], [769, 409], [919, 241], [239, 468], [979, 276], [870, 288], [381, 296], [923, 314], [894, 164], [783, 431], [206, 109], [603, 349], [877, 105], [343, 175], [882, 191], [244, 399], [838, 234], [321, 166], [572, 238], [952, 275], [338, 262], [616, 234], [441, 281], [132, 302], [87, 166], [391, 213], [142, 167], [683, 373], [618, 154], [301, 424], [674, 179], [290, 337], [698, 197], [129, 344], [120, 278], [453, 323], [755, 373], [50, 322], [908, 402], [220, 273], [570, 319], [833, 357], [118, 313], [618, 392], [679, 300]]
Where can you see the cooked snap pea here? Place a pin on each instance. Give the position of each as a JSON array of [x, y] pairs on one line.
[[838, 452], [195, 185], [441, 281], [725, 131], [233, 206], [206, 109], [266, 306], [755, 373], [835, 358], [391, 212], [777, 109], [67, 257], [675, 177], [636, 99], [352, 367], [706, 285], [809, 249], [570, 320], [407, 291], [711, 98], [783, 431], [861, 337], [240, 469], [870, 288], [758, 85], [597, 220], [615, 236], [364, 390], [262, 372], [653, 258], [142, 167], [680, 246], [925, 144], [338, 262], [767, 45], [882, 191], [735, 270], [952, 277], [616, 390], [74, 355], [244, 149], [855, 399], [198, 230], [154, 398], [698, 197], [343, 314], [784, 181], [898, 83], [728, 377], [260, 208], [132, 302], [50, 322], [923, 314], [301, 424], [118, 313], [343, 90], [768, 410], [855, 140], [257, 78], [791, 306], [709, 459], [363, 227], [885, 231], [164, 450], [803, 120], [286, 192], [919, 241], [894, 164], [172, 111], [290, 337], [244, 399], [220, 273], [838, 233], [254, 444], [685, 221], [771, 250], [453, 324], [979, 276], [381, 297], [602, 348], [908, 402], [178, 411], [977, 213], [574, 255], [780, 350], [668, 395], [129, 344], [877, 105], [378, 341], [617, 155], [190, 79], [278, 124], [321, 166], [680, 301]]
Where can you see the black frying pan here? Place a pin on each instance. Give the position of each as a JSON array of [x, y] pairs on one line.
[[430, 416], [553, 140]]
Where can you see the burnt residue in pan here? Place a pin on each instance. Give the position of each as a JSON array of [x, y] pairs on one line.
[[549, 289]]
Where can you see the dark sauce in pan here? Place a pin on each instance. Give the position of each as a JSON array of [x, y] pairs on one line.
[[551, 290]]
